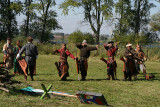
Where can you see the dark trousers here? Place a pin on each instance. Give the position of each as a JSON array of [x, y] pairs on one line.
[[31, 69], [83, 67], [110, 69], [130, 69]]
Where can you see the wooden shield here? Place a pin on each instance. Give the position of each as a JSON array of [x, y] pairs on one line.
[[23, 65]]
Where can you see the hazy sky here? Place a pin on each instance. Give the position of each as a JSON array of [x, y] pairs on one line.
[[73, 21]]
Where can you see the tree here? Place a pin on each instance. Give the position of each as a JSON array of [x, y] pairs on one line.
[[124, 12], [47, 18], [42, 23], [141, 13], [8, 12], [29, 10], [155, 22], [133, 18], [94, 12], [28, 14]]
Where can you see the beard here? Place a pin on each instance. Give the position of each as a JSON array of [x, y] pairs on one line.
[[85, 45]]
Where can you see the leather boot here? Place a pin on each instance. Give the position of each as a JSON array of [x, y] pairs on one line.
[[108, 77], [32, 78], [113, 77], [25, 77], [144, 72], [83, 78], [125, 78]]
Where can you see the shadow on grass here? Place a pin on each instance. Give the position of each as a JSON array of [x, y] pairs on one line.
[[43, 74], [143, 79], [58, 80], [96, 79], [45, 80], [102, 80]]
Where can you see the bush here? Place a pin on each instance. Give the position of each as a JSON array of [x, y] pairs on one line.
[[78, 37], [22, 39], [46, 48]]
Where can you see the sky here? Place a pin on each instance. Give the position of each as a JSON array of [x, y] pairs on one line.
[[73, 21]]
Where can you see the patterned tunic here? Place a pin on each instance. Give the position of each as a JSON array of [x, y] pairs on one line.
[[63, 64]]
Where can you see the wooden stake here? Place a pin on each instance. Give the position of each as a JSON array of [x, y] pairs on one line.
[[4, 89]]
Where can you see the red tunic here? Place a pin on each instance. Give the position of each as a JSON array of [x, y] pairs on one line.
[[111, 51], [66, 51]]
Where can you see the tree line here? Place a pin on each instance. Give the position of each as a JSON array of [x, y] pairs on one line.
[[130, 18]]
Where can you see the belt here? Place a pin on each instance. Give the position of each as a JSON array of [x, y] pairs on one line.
[[82, 57], [110, 57], [61, 60]]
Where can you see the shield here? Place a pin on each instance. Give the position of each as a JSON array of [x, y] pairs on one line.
[[23, 65], [91, 97]]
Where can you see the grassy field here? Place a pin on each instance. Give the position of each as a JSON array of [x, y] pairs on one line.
[[118, 93]]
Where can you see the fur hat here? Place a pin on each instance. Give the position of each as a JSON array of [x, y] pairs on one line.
[[8, 38], [84, 41], [110, 42], [128, 45]]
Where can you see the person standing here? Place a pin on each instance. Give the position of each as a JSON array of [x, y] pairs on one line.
[[31, 54], [63, 64], [84, 55], [142, 57], [130, 67], [16, 50], [8, 54], [111, 63]]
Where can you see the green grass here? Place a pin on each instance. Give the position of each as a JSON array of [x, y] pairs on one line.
[[118, 93]]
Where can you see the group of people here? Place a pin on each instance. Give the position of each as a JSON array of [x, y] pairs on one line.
[[133, 59], [134, 62], [12, 56], [9, 55], [82, 62]]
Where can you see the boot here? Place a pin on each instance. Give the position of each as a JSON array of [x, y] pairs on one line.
[[144, 72], [83, 78], [113, 77], [25, 77], [63, 79], [130, 78], [135, 77], [108, 77], [125, 78], [32, 78]]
